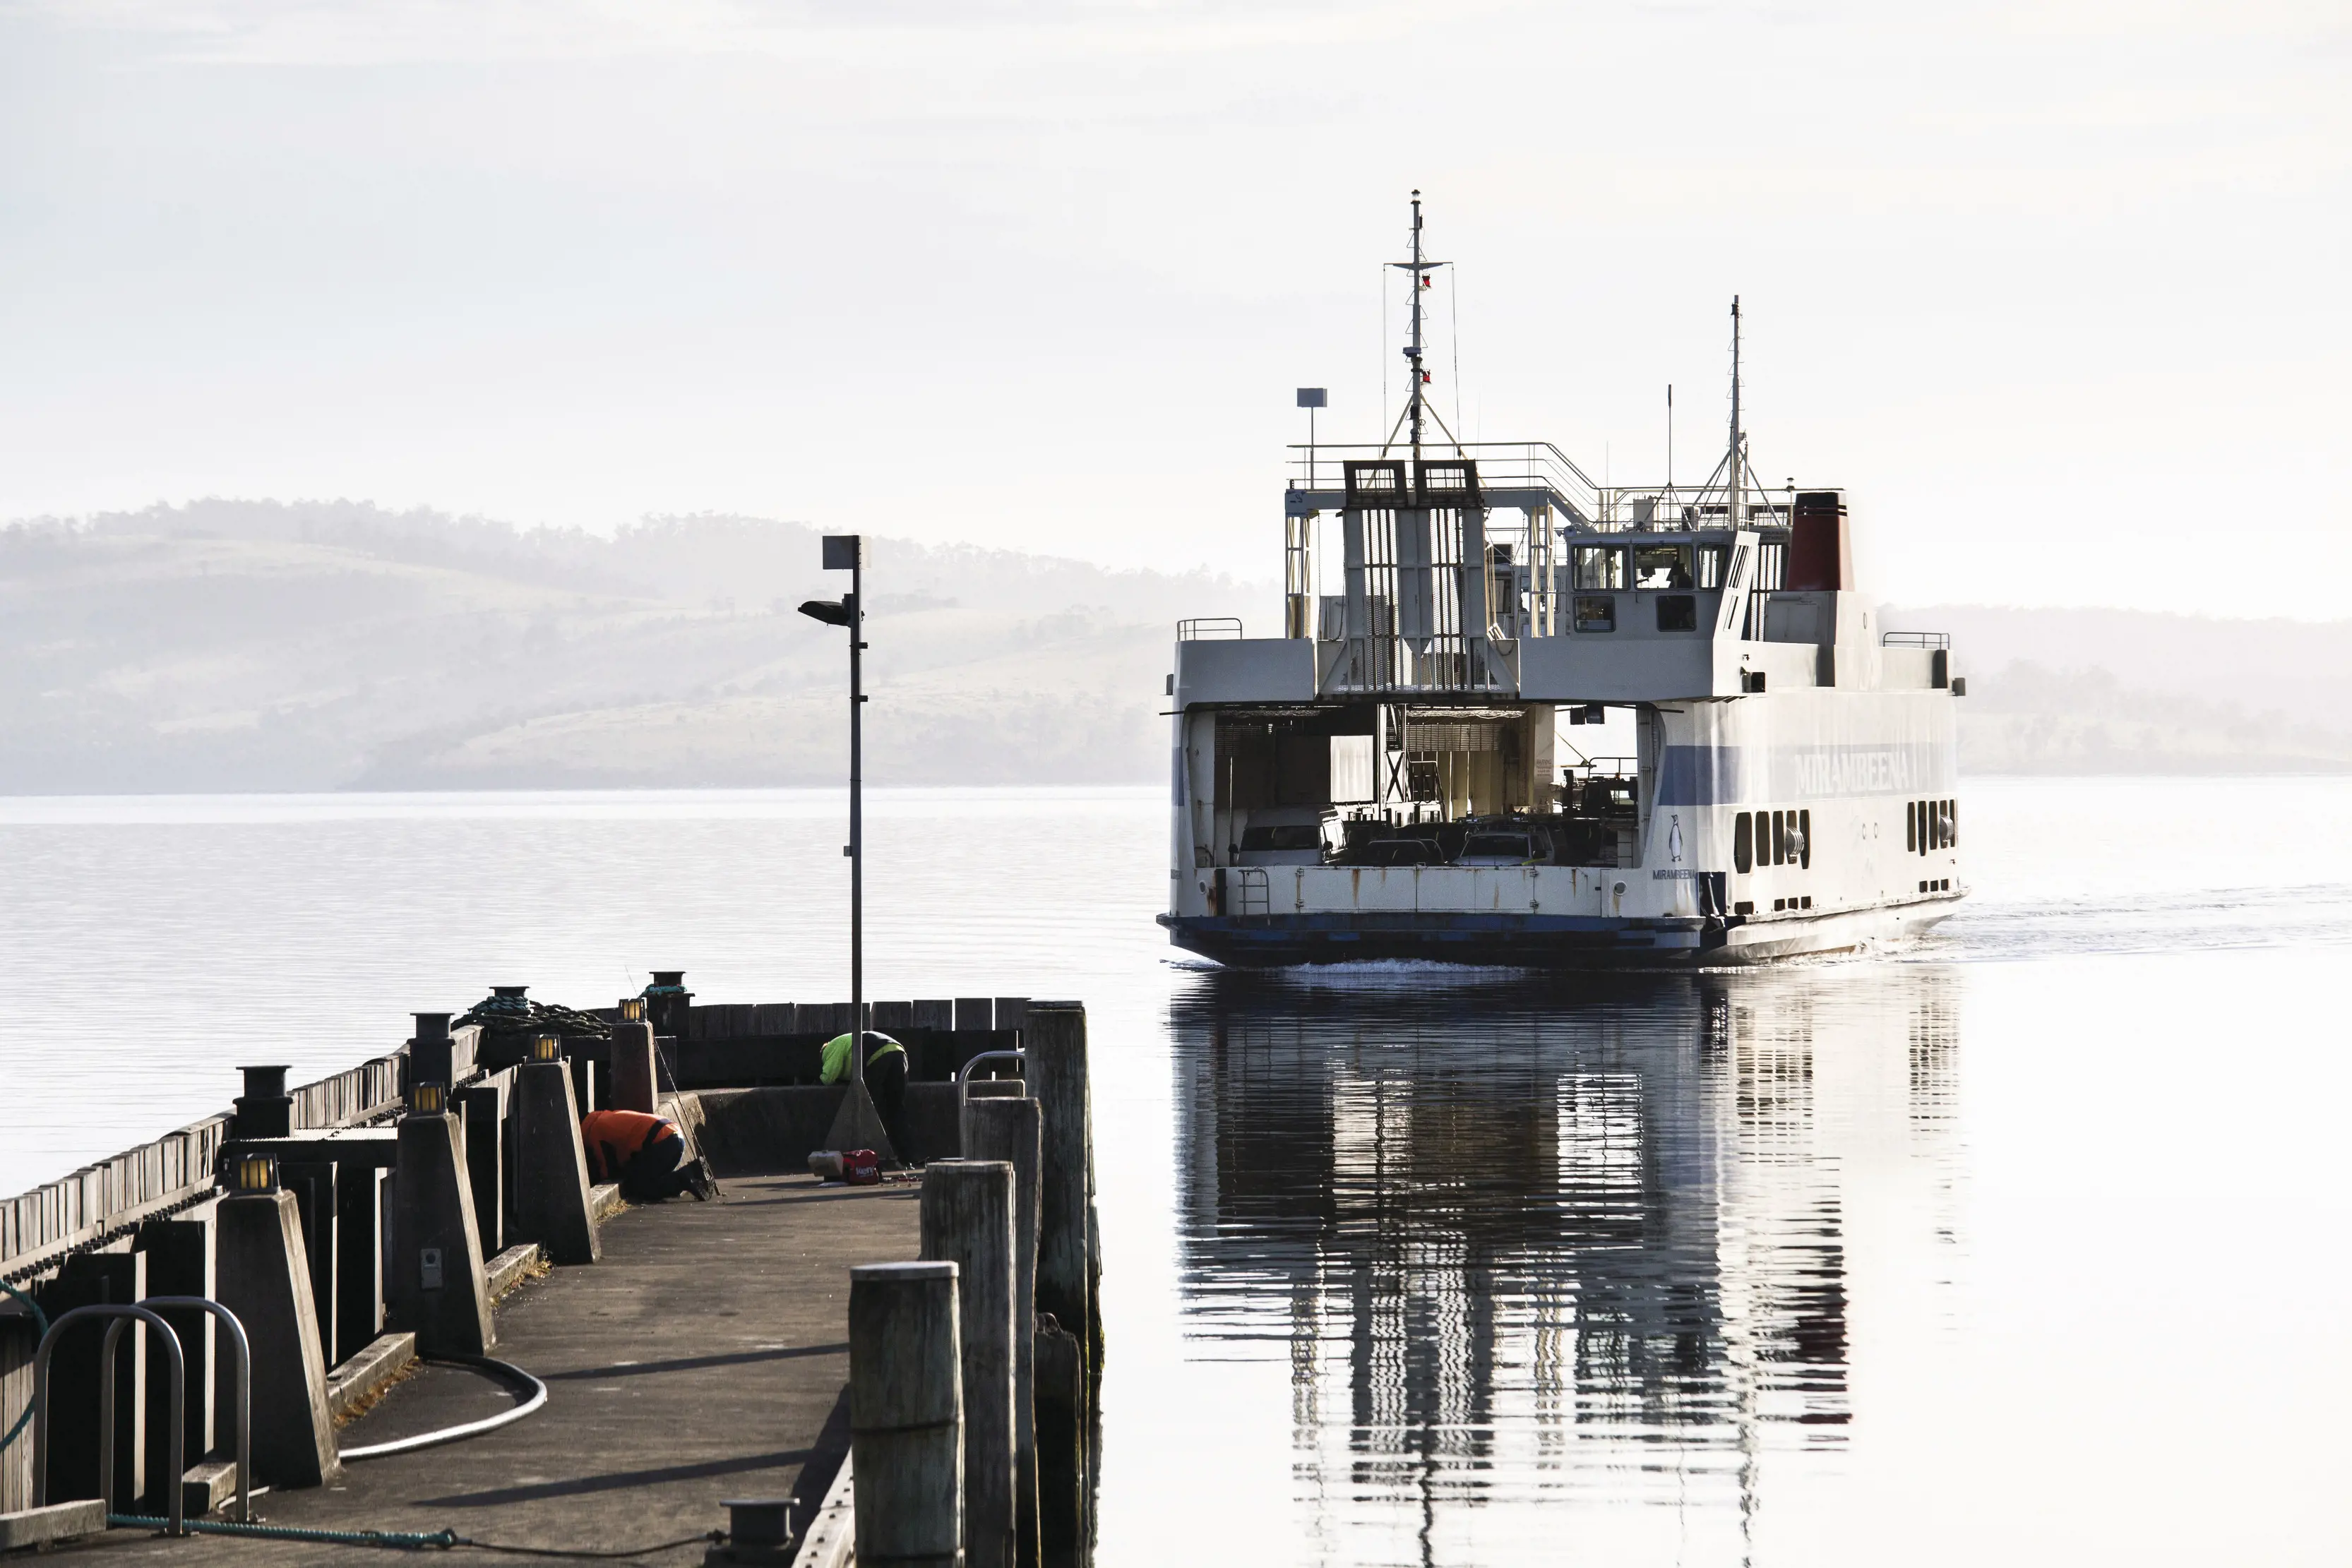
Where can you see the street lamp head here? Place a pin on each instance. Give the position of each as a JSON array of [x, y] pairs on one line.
[[831, 612], [844, 552]]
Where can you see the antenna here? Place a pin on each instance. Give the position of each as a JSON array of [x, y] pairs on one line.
[[1416, 407], [1670, 441], [1739, 457]]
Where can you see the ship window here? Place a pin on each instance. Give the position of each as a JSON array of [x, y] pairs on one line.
[[1742, 856], [1805, 840], [1710, 566], [1662, 566], [1951, 825], [1677, 613], [1780, 838], [1596, 612], [1599, 566], [1910, 825]]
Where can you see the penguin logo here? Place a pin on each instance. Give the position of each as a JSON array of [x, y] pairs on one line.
[[1675, 838]]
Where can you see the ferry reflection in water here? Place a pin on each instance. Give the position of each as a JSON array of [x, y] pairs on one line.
[[1560, 1265]]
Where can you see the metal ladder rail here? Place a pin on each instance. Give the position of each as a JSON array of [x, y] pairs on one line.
[[244, 1405], [176, 1439]]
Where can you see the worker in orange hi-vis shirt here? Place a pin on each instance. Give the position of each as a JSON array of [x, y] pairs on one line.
[[647, 1155]]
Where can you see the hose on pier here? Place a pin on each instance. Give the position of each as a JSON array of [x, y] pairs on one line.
[[506, 1371]]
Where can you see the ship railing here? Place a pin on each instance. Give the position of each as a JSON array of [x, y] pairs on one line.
[[1207, 628], [1915, 640], [1526, 473], [1528, 469], [1685, 508]]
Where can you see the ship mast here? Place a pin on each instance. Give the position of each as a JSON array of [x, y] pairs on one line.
[[1738, 460], [1416, 406]]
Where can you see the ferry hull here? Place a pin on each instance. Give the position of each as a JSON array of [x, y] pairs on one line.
[[1541, 941]]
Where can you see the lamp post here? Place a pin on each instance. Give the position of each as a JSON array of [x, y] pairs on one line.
[[846, 552]]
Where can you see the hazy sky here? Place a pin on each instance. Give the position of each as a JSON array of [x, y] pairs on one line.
[[2057, 291]]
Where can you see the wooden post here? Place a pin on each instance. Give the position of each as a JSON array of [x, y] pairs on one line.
[[265, 1280], [967, 1221], [1009, 1130], [636, 1084], [1062, 1466], [906, 1414], [551, 1166], [435, 1285], [1055, 1043]]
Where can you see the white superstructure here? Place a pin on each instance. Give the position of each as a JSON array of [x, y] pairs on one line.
[[1416, 767]]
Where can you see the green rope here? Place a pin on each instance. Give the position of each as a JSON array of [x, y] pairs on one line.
[[393, 1539], [41, 1328]]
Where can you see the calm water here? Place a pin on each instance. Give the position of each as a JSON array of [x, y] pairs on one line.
[[2024, 1245]]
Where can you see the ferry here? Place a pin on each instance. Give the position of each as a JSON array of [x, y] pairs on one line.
[[1519, 718]]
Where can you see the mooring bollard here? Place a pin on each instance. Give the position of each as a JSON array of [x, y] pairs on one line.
[[437, 1289], [1054, 1042], [265, 1281], [551, 1166], [967, 1221], [1010, 1131], [905, 1414]]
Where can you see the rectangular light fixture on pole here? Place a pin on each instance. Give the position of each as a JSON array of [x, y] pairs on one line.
[[1314, 397], [844, 552]]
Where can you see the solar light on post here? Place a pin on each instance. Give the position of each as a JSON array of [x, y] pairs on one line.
[[256, 1173], [846, 552]]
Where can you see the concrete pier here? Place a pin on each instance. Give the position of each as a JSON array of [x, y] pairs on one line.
[[674, 1384], [704, 1359]]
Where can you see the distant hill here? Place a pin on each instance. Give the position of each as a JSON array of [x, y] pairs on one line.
[[253, 645], [2120, 691], [236, 645]]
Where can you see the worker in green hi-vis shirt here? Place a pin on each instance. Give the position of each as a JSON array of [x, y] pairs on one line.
[[885, 1073]]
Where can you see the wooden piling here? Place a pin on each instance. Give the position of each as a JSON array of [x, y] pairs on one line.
[[967, 1221], [1010, 1131], [1055, 1043], [905, 1414]]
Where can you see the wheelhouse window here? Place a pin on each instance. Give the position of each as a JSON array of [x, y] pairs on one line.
[[1596, 612], [1710, 566], [1677, 613], [1662, 566], [1599, 566]]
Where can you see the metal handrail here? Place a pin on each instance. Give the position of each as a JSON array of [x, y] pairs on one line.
[[1914, 639], [244, 1348], [963, 1075], [176, 1440], [1207, 627]]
